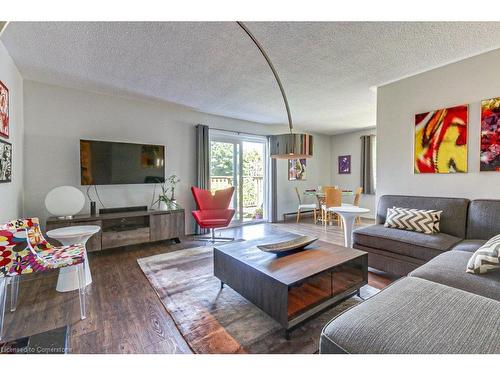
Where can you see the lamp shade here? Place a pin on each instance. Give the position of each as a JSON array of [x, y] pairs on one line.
[[64, 201], [291, 146]]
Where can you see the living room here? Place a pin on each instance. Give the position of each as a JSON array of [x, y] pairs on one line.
[[255, 187]]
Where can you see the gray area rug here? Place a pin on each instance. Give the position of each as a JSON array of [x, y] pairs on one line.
[[221, 321]]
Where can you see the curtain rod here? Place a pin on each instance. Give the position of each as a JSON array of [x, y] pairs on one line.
[[267, 135], [238, 132]]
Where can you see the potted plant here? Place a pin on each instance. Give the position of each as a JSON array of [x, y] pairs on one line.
[[166, 202], [259, 213], [171, 182]]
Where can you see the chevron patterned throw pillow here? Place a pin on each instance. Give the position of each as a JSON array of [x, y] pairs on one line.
[[435, 214], [486, 258], [408, 219]]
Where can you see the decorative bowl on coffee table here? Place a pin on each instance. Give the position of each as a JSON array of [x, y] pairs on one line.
[[284, 247]]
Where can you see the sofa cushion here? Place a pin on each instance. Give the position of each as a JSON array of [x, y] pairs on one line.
[[415, 315], [392, 263], [483, 221], [449, 269], [453, 218], [469, 245], [412, 244]]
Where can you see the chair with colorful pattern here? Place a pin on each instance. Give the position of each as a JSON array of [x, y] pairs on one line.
[[24, 250]]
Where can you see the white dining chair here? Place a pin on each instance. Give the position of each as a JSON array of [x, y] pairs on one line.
[[305, 206]]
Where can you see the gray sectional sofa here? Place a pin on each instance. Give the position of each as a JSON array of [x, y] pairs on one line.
[[464, 225], [438, 307]]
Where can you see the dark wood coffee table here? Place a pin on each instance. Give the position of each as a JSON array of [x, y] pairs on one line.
[[295, 287]]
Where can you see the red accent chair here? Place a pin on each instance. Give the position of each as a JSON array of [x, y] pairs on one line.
[[213, 209]]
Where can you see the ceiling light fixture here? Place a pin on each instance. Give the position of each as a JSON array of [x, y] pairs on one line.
[[291, 145]]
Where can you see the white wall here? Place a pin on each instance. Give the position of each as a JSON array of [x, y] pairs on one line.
[[465, 82], [350, 144], [318, 172], [11, 193], [56, 118]]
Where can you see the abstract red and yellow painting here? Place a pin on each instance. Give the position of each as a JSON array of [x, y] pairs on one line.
[[4, 110], [490, 135], [441, 141]]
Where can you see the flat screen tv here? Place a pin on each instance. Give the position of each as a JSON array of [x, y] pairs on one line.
[[110, 163]]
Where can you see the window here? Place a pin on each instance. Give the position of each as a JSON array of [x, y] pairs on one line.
[[240, 161]]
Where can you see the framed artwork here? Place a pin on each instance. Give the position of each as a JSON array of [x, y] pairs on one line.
[[5, 162], [4, 110], [490, 135], [345, 164], [441, 141], [296, 169]]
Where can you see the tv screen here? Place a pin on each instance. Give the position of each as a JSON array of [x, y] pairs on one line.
[[109, 163]]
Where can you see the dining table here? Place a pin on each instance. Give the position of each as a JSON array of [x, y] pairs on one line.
[[348, 215], [320, 194]]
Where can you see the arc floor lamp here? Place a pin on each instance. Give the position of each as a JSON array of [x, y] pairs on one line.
[[290, 145]]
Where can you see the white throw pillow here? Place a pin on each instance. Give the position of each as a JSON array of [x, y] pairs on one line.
[[486, 258]]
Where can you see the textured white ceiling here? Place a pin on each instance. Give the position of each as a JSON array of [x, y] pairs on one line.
[[327, 69]]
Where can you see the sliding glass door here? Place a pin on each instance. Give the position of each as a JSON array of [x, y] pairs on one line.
[[240, 161]]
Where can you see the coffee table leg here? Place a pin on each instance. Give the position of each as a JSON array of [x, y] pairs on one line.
[[222, 284], [287, 334]]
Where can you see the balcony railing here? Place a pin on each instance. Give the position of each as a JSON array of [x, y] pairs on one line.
[[253, 188]]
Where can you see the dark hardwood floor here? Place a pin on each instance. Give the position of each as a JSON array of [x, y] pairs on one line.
[[124, 313]]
